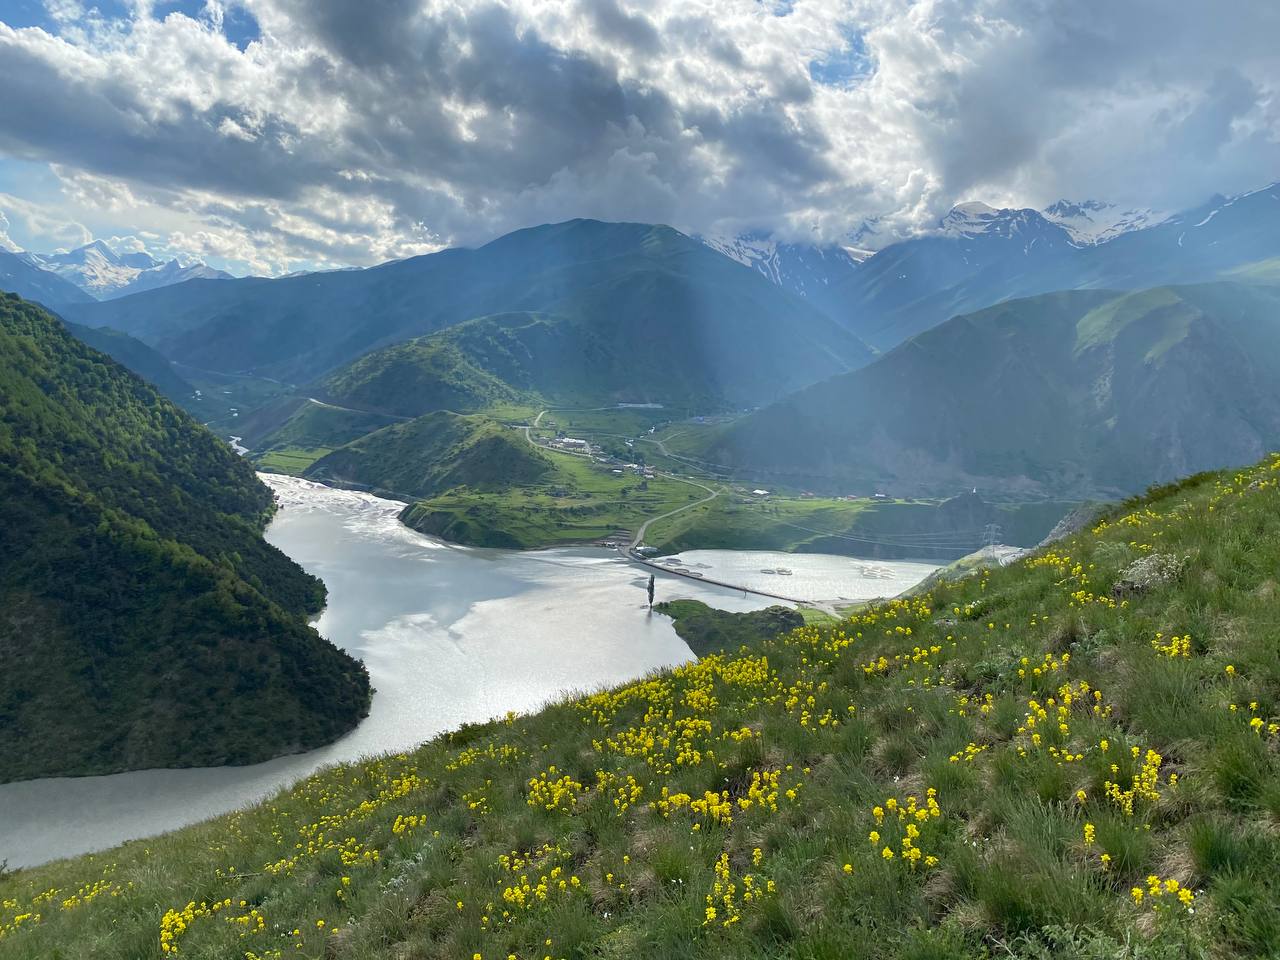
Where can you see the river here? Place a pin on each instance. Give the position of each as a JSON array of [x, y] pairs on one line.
[[449, 634]]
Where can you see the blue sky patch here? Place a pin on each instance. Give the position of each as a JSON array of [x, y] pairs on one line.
[[845, 67]]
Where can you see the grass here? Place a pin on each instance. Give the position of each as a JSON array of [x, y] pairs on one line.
[[291, 460], [581, 501], [1019, 728]]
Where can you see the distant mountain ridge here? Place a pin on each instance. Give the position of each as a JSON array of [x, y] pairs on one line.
[[20, 276], [98, 270], [979, 255], [741, 338], [1084, 394]]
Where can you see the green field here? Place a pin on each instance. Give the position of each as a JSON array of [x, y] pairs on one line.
[[1074, 757], [291, 460], [581, 501]]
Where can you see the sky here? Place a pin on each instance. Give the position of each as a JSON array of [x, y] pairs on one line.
[[266, 136]]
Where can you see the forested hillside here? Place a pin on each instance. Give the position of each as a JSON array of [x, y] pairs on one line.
[[147, 622]]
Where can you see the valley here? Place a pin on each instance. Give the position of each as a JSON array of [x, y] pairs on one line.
[[450, 636], [620, 480], [485, 486]]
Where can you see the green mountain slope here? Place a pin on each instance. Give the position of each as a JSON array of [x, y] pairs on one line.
[[438, 372], [434, 453], [147, 623], [1071, 757], [135, 355], [751, 339], [1084, 394]]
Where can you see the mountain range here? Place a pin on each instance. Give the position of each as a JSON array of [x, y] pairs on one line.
[[94, 271], [586, 313], [979, 255], [629, 309], [1080, 393]]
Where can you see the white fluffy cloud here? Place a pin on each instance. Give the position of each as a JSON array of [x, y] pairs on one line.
[[277, 133]]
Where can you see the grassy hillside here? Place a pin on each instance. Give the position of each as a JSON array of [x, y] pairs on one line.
[[707, 630], [419, 376], [290, 434], [576, 502], [435, 453], [476, 481], [1072, 757], [147, 623], [1084, 394]]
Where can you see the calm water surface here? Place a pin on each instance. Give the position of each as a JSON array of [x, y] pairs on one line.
[[449, 634]]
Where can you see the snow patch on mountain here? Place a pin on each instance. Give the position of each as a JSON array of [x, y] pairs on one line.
[[99, 270], [804, 269], [1092, 222], [969, 221]]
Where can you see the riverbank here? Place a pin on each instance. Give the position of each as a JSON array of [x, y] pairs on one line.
[[450, 635], [662, 802]]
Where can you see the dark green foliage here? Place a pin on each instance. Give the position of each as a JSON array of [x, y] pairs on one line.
[[707, 630], [135, 355], [146, 621]]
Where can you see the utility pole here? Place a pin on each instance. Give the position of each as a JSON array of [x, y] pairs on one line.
[[990, 537]]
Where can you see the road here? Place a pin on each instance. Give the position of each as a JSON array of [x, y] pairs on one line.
[[334, 406], [644, 527], [628, 552]]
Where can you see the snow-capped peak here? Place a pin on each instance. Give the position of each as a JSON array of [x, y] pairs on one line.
[[100, 271], [1094, 221], [976, 219]]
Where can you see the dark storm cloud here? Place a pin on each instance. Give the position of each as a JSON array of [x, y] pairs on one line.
[[349, 132]]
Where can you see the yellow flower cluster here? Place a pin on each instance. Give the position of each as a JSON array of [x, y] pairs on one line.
[[1055, 730], [502, 754], [625, 791], [968, 754], [175, 923], [723, 906], [560, 793], [1160, 894], [907, 819], [403, 824], [1143, 786], [1050, 664], [524, 894], [1175, 646]]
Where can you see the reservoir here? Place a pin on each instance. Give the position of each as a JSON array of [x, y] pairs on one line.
[[450, 635]]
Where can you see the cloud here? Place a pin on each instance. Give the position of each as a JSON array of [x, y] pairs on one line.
[[274, 134], [38, 221], [5, 242]]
